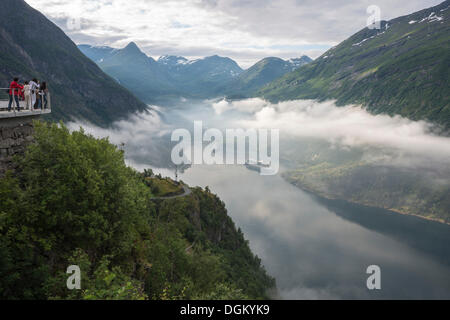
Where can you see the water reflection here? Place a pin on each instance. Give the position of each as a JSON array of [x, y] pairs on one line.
[[319, 250], [428, 236]]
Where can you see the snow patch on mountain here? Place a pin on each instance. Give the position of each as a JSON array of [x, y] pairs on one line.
[[432, 18]]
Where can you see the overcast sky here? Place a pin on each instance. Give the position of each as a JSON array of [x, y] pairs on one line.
[[244, 30]]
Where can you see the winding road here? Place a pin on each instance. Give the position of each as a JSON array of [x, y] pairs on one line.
[[187, 191]]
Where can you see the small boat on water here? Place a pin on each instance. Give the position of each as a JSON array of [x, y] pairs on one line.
[[256, 165]]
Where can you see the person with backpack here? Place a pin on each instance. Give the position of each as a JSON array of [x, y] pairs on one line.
[[14, 92]]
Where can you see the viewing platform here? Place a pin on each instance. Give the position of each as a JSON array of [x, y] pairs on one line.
[[25, 112], [16, 124]]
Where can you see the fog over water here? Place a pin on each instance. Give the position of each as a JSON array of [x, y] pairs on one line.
[[315, 248], [393, 140]]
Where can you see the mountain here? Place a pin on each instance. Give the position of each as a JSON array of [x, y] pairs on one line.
[[151, 80], [173, 63], [97, 54], [403, 68], [170, 76], [32, 46], [133, 69], [298, 62], [204, 77], [262, 73]]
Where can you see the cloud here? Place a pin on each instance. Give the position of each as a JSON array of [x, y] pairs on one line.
[[349, 126], [381, 139], [307, 128], [245, 30], [143, 137], [248, 105]]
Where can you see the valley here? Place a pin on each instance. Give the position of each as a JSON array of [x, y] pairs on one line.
[[139, 176], [315, 248]]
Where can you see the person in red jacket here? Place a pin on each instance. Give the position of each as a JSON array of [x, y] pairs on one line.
[[14, 92]]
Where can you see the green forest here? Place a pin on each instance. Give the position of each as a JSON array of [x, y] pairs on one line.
[[73, 201]]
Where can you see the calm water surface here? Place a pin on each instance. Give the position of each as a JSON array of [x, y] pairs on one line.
[[320, 249]]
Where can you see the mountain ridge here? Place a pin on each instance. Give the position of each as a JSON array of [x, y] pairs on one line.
[[169, 75], [403, 68], [262, 73], [154, 80]]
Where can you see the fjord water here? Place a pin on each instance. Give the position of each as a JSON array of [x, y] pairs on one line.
[[314, 248], [320, 249]]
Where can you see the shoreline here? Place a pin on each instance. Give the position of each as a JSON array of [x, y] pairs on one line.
[[328, 197]]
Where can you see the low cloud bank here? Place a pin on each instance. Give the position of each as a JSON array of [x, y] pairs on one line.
[[143, 137], [383, 139], [345, 127]]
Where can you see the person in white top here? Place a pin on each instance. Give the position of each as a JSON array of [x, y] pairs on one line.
[[34, 87], [27, 95]]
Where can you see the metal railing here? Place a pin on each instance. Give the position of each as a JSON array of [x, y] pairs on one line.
[[19, 100]]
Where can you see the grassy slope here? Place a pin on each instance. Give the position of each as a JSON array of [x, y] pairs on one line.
[[361, 175], [404, 69], [260, 74], [380, 186], [164, 187]]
